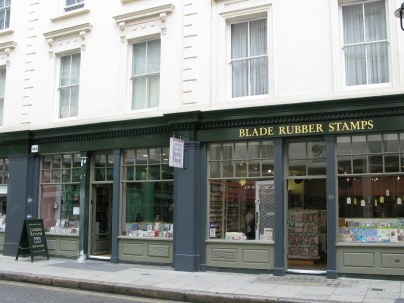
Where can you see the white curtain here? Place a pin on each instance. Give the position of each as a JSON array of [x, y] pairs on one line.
[[365, 43], [69, 85], [249, 58]]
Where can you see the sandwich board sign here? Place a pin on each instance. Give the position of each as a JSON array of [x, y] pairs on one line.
[[32, 239]]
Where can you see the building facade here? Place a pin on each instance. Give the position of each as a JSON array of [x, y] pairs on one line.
[[291, 115]]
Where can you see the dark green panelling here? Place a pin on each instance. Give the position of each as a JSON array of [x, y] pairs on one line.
[[217, 125], [103, 144]]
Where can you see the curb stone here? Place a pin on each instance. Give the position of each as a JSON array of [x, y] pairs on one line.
[[205, 297], [36, 279], [67, 283]]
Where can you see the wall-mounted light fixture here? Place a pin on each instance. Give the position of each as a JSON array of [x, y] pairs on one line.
[[399, 13]]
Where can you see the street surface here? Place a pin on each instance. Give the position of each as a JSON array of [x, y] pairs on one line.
[[13, 292]]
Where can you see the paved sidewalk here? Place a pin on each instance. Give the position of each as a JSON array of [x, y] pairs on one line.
[[216, 287]]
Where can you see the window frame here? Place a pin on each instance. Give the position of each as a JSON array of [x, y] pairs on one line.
[[70, 86], [145, 75], [7, 11], [78, 4], [247, 19], [365, 43]]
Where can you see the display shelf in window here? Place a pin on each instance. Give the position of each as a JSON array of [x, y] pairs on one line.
[[149, 230], [361, 230]]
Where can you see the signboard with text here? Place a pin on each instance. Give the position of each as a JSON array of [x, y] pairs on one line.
[[176, 153], [32, 239]]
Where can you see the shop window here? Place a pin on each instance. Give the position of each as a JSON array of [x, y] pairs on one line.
[[249, 59], [69, 84], [365, 43], [3, 192], [60, 193], [103, 167], [147, 193], [146, 74], [371, 188], [306, 159], [240, 174]]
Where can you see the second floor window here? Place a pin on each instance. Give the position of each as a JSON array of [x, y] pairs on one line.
[[5, 14], [69, 85], [365, 43], [2, 92], [146, 74], [71, 5], [249, 60]]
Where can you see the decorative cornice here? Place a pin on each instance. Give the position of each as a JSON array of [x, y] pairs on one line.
[[6, 48], [159, 12], [79, 31]]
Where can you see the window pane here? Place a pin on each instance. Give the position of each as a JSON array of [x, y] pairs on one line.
[[375, 20], [228, 169], [154, 91], [297, 167], [139, 93], [240, 78], [100, 160], [390, 143], [154, 172], [297, 150], [376, 164], [241, 168], [355, 65], [344, 165], [359, 145], [167, 173], [128, 157], [139, 58], [316, 167], [253, 150], [240, 150], [214, 151], [254, 169], [267, 150], [65, 70], [344, 146], [67, 161], [153, 56], [360, 164], [258, 37], [155, 156], [214, 169], [64, 102], [141, 172], [259, 76], [74, 101], [391, 163], [378, 63], [227, 151], [75, 69], [141, 156], [239, 40], [353, 24], [375, 144]]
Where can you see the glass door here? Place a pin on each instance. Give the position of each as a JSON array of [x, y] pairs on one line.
[[101, 221]]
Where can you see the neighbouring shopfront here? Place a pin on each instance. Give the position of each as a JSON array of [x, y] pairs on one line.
[[287, 188], [3, 198]]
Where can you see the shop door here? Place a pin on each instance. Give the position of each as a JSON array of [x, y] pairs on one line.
[[306, 207], [101, 221]]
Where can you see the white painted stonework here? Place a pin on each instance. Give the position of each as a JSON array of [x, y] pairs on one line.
[[305, 56]]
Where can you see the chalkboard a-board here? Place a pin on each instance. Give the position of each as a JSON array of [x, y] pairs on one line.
[[32, 239]]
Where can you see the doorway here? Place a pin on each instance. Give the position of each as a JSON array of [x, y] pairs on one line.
[[100, 247], [306, 208]]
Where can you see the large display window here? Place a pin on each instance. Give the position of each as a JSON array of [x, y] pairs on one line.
[[60, 193], [241, 202], [371, 188], [147, 193]]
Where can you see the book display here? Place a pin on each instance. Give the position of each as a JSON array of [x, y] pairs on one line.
[[216, 214], [305, 233], [2, 222], [149, 230], [359, 230]]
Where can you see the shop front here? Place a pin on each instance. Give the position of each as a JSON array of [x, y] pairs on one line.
[[280, 189], [323, 191]]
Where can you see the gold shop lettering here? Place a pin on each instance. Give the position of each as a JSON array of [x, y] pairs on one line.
[[302, 129]]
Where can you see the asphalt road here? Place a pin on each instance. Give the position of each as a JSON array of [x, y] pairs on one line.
[[13, 292]]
